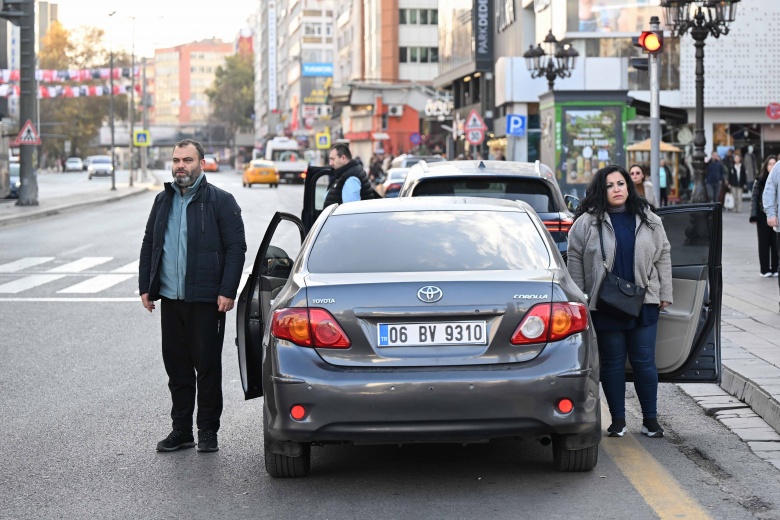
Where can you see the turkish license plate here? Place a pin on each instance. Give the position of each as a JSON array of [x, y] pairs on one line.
[[425, 334]]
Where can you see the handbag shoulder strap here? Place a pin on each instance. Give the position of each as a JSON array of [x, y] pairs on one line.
[[603, 255]]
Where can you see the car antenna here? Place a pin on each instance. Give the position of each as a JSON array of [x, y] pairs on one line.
[[481, 165]]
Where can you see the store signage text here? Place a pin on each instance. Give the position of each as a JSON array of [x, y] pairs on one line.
[[483, 30], [438, 107]]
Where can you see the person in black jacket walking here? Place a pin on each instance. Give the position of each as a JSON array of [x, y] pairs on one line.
[[349, 182], [192, 257], [767, 238]]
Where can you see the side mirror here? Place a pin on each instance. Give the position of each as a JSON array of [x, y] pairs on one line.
[[572, 202]]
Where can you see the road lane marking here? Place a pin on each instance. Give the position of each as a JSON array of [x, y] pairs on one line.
[[24, 263], [69, 300], [97, 283], [659, 489], [132, 267], [28, 282], [82, 264]]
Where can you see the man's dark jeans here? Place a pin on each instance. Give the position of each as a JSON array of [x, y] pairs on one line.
[[192, 335], [639, 345]]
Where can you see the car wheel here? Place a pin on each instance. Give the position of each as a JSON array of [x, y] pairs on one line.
[[248, 184], [583, 459], [90, 178], [283, 466]]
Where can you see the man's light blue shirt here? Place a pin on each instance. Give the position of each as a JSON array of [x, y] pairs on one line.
[[173, 269], [351, 190]]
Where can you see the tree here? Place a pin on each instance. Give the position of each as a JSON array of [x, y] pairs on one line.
[[77, 120], [232, 95]]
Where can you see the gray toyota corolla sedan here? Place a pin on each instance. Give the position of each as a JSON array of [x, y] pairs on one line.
[[444, 319], [420, 320]]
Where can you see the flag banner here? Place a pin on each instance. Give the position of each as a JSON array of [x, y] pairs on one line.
[[59, 76], [45, 92]]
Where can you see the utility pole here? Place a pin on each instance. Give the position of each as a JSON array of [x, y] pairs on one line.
[[655, 117], [144, 106], [22, 13], [111, 105], [131, 140]]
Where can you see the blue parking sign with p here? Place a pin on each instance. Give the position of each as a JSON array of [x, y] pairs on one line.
[[515, 125]]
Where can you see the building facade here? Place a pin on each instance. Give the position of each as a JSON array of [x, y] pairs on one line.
[[182, 75]]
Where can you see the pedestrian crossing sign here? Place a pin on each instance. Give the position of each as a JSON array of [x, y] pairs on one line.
[[27, 135], [323, 140], [142, 138]]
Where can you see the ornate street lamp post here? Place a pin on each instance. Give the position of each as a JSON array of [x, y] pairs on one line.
[[702, 18], [556, 62]]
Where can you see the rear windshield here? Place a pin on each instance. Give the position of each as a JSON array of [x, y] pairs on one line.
[[533, 191], [101, 160], [428, 241]]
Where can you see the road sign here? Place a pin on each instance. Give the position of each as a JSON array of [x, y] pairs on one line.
[[475, 122], [27, 135], [475, 137], [515, 125], [415, 138], [323, 140], [142, 138]]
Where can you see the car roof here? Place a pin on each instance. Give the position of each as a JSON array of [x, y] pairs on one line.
[[470, 168], [431, 204]]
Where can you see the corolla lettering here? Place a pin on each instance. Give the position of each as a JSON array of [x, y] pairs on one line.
[[323, 300], [531, 296]]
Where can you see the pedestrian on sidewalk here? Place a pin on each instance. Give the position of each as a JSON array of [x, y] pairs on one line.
[[192, 257], [737, 180], [769, 199], [637, 250], [767, 238], [715, 176], [643, 186], [663, 183]]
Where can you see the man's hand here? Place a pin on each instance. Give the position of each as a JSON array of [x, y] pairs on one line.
[[664, 305], [771, 221], [149, 306], [224, 304]]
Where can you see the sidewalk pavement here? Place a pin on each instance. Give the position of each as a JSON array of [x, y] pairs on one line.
[[748, 399], [58, 192]]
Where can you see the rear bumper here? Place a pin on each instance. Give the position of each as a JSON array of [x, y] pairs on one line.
[[447, 404]]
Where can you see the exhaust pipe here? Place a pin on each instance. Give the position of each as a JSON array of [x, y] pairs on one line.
[[545, 441]]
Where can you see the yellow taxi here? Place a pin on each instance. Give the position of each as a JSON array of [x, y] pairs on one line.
[[260, 172]]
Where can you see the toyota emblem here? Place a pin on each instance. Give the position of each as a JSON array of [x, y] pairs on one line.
[[429, 294]]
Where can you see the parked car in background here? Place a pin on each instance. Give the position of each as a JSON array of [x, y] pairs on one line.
[[394, 179], [260, 171], [74, 164], [407, 161], [211, 164], [533, 183], [15, 180], [100, 166]]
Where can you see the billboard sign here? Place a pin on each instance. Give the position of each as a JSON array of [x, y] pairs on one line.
[[317, 70], [590, 142], [613, 16]]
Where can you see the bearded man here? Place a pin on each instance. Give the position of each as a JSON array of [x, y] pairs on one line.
[[192, 256]]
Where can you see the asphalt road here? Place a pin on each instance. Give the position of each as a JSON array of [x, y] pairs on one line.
[[83, 401]]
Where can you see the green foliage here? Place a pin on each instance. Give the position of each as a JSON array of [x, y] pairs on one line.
[[232, 95], [77, 120]]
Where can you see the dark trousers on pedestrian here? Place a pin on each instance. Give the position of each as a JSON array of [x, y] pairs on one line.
[[192, 335], [639, 345], [713, 190], [664, 197], [767, 245]]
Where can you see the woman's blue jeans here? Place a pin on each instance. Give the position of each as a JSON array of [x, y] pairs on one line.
[[639, 345]]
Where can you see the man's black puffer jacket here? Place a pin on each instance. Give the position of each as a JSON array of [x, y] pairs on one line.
[[353, 168], [215, 245]]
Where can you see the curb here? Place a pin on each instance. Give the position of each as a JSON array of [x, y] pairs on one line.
[[56, 210], [753, 395]]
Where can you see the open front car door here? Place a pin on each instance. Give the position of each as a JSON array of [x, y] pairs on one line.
[[688, 342], [270, 272], [314, 191]]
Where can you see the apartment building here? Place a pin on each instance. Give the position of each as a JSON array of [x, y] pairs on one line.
[[182, 75]]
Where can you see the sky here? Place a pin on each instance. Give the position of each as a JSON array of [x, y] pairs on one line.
[[158, 23]]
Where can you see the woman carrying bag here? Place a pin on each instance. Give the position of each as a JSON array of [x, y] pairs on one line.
[[616, 233]]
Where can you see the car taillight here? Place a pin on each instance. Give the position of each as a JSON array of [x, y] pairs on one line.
[[547, 322], [309, 328], [562, 226]]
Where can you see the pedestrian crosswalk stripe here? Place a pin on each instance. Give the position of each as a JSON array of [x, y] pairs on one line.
[[82, 264], [132, 267], [97, 283], [28, 282], [24, 263]]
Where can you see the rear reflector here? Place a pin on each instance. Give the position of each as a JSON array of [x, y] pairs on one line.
[[565, 406], [309, 327], [547, 322], [297, 412]]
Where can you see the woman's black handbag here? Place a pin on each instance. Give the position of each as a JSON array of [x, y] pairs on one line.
[[617, 297]]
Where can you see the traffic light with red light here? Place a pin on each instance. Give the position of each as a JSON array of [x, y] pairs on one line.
[[651, 42]]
